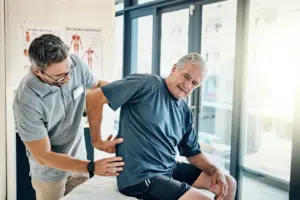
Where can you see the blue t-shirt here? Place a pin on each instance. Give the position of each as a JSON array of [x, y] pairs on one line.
[[153, 124]]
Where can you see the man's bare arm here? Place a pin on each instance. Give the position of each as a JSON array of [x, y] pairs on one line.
[[218, 178], [203, 163], [95, 101], [41, 151]]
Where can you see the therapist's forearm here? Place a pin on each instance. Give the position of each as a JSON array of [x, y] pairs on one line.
[[94, 109], [63, 162]]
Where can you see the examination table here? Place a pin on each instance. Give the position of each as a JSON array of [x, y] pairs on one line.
[[101, 188]]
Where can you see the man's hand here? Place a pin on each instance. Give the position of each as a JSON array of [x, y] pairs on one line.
[[109, 166], [108, 145], [219, 180]]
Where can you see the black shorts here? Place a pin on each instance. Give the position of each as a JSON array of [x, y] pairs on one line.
[[165, 187]]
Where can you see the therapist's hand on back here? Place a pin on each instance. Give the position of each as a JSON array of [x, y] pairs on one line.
[[109, 166], [108, 145]]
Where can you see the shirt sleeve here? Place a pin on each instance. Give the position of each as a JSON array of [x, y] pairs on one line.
[[29, 123], [90, 79], [132, 89], [189, 146]]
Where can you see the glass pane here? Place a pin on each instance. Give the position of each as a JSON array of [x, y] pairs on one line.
[[218, 49], [119, 5], [141, 45], [272, 71], [144, 1], [118, 70], [174, 39]]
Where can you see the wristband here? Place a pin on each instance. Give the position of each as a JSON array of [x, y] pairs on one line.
[[91, 168]]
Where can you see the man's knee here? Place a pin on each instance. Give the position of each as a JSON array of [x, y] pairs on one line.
[[231, 182], [194, 193]]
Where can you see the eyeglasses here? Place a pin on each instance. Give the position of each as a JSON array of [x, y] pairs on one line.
[[60, 79]]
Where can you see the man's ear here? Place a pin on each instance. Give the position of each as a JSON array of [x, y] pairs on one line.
[[173, 69], [37, 72]]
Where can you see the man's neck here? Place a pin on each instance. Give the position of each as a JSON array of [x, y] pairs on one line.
[[169, 86], [168, 83]]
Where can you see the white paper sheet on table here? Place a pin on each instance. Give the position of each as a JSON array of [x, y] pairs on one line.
[[97, 188]]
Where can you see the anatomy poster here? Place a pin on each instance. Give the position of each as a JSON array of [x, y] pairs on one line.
[[28, 34], [86, 43]]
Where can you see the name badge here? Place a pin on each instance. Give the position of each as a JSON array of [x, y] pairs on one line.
[[77, 92]]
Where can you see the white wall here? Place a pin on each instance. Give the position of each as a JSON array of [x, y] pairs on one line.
[[56, 13], [2, 107]]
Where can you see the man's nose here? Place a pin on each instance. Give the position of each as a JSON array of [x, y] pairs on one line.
[[187, 84], [67, 77]]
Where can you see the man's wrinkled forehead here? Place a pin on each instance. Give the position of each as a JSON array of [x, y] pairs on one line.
[[194, 71]]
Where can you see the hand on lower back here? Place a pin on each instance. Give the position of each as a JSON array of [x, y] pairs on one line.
[[108, 145], [109, 166]]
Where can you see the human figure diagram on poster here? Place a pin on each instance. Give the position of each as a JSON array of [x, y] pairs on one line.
[[76, 43], [86, 43], [90, 53]]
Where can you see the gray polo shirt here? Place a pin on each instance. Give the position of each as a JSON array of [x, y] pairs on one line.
[[42, 110], [153, 124]]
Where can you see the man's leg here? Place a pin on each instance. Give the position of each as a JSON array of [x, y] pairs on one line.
[[163, 188], [204, 181], [193, 193], [49, 190], [74, 181], [188, 173]]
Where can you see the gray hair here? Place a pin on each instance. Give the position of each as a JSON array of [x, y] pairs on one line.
[[194, 58], [47, 49]]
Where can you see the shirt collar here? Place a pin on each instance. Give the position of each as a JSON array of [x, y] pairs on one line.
[[40, 87]]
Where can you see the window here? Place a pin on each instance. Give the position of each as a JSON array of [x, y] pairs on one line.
[[141, 45], [144, 1], [215, 121], [272, 71], [119, 5], [174, 39], [270, 93], [118, 70]]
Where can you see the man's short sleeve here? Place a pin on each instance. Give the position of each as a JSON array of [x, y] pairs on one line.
[[90, 80], [29, 123], [189, 145], [131, 89]]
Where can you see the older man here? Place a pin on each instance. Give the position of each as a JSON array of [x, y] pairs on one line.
[[48, 110], [154, 122]]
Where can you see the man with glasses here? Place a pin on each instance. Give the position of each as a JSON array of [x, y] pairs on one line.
[[48, 110], [59, 81]]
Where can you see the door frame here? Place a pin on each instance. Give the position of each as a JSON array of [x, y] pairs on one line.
[[2, 102]]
